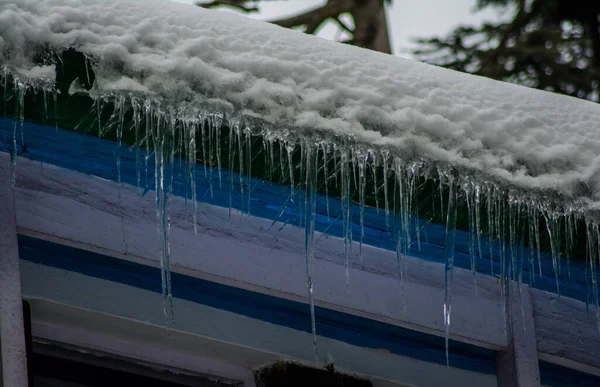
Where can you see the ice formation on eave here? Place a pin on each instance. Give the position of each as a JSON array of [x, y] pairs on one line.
[[530, 138], [524, 162]]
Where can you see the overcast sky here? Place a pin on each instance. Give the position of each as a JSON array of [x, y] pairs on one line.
[[406, 18]]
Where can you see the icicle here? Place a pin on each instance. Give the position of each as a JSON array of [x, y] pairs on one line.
[[162, 217], [266, 150], [149, 113], [203, 143], [19, 94], [209, 161], [87, 71], [121, 112], [478, 218], [449, 253], [167, 216], [469, 192], [362, 182], [98, 103], [441, 188], [403, 187], [512, 225], [569, 225], [5, 98], [211, 156], [218, 124], [399, 221], [290, 150], [374, 167], [550, 228], [301, 217], [536, 231], [385, 156], [44, 93], [184, 134], [353, 159], [345, 200], [326, 176], [14, 137], [192, 173], [14, 154], [490, 207], [249, 164], [336, 160], [239, 137], [531, 240], [271, 158], [281, 162], [181, 148], [310, 213], [500, 228], [520, 259], [55, 100], [22, 91], [136, 124], [399, 207], [230, 164], [414, 196]]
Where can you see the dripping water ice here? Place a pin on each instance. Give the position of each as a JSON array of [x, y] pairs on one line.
[[506, 220]]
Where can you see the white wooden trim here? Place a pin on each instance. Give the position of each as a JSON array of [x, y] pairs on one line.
[[151, 345], [92, 319], [99, 215], [12, 338], [518, 364], [566, 334]]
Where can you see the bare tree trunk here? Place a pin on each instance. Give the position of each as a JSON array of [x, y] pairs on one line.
[[370, 25]]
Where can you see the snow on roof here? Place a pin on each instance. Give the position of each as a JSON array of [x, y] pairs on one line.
[[179, 52]]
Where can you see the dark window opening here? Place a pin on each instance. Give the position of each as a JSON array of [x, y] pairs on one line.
[[286, 374]]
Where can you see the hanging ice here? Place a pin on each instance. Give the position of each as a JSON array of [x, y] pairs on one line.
[[378, 130]]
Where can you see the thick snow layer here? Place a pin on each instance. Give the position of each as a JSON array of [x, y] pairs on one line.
[[528, 137]]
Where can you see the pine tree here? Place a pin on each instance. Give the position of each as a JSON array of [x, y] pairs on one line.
[[368, 28], [552, 45]]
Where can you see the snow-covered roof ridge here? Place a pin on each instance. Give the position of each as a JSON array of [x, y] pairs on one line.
[[527, 137]]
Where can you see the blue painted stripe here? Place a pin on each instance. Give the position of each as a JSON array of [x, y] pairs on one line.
[[553, 375], [95, 156], [344, 327]]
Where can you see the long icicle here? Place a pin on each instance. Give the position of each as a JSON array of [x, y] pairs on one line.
[[310, 214], [449, 253], [384, 161], [362, 182], [121, 112], [346, 203], [161, 216], [136, 123], [325, 148]]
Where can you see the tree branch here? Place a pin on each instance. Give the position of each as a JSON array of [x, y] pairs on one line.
[[239, 4], [342, 25], [316, 16]]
